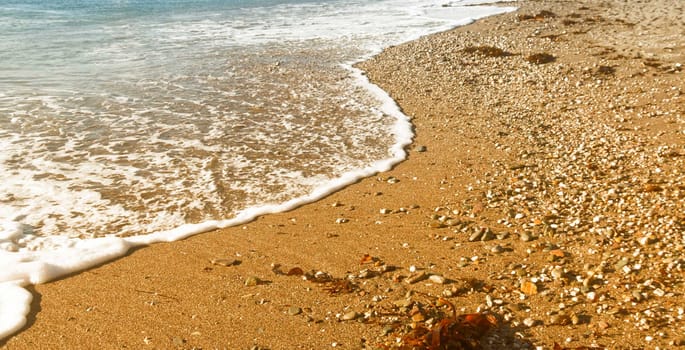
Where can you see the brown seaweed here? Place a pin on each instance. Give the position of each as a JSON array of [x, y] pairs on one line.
[[540, 58], [488, 51]]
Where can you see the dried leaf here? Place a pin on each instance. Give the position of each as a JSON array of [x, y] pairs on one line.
[[339, 286], [366, 259], [557, 252]]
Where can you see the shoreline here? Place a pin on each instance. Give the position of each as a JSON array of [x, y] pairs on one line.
[[483, 151]]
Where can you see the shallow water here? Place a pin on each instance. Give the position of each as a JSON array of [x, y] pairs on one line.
[[133, 122]]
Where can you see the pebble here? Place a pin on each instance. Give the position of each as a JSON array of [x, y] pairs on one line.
[[526, 237], [437, 279], [497, 249], [252, 281], [403, 303], [225, 262], [475, 236], [591, 296], [560, 319], [602, 325], [349, 316], [294, 310], [575, 319], [529, 322], [416, 277], [487, 236], [418, 317]]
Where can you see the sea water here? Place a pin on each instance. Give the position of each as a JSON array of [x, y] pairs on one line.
[[128, 122]]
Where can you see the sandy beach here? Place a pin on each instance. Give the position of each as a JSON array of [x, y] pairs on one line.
[[545, 187]]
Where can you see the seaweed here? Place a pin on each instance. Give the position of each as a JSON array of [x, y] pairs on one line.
[[540, 58], [461, 332], [488, 51], [538, 17], [607, 70]]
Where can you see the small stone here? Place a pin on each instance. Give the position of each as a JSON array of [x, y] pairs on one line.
[[475, 236], [418, 317], [487, 236], [555, 319], [575, 319], [225, 262], [529, 288], [591, 296], [387, 330], [341, 220], [436, 224], [529, 322], [437, 279], [252, 281], [178, 341], [385, 211], [497, 249], [602, 325], [294, 310], [403, 303], [349, 316], [417, 277], [366, 273], [526, 237], [620, 264], [420, 149], [559, 319]]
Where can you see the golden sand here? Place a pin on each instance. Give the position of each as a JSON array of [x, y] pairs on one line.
[[547, 190]]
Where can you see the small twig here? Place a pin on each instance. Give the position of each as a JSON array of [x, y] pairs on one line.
[[156, 294]]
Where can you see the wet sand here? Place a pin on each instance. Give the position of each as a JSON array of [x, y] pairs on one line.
[[545, 184]]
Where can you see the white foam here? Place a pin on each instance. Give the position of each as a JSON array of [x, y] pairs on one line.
[[27, 259]]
